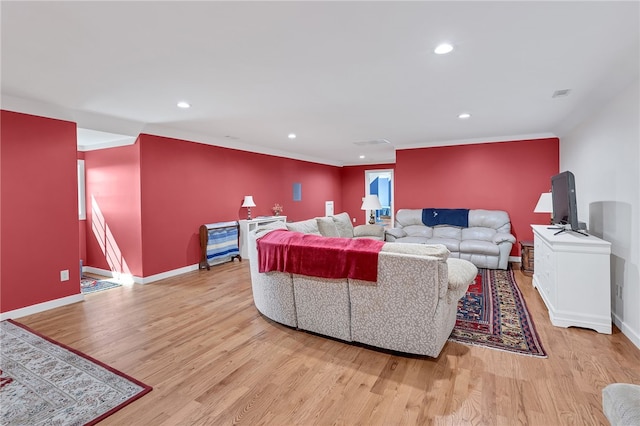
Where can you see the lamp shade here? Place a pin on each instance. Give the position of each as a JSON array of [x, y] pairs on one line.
[[371, 202], [248, 201], [545, 203]]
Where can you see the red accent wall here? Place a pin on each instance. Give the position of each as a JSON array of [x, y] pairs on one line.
[[154, 196], [496, 176], [39, 216], [114, 229], [186, 184], [353, 189]]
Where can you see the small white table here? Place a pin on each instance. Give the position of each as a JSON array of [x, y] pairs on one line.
[[248, 225]]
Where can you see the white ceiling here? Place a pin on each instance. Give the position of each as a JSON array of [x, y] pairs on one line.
[[335, 73]]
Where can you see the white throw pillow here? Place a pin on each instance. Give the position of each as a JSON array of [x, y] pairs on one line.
[[344, 225], [327, 227]]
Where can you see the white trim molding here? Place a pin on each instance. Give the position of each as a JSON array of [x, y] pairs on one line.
[[626, 330], [168, 274], [41, 307], [140, 280]]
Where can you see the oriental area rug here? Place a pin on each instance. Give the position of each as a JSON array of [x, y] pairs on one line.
[[45, 382], [93, 285], [493, 314]]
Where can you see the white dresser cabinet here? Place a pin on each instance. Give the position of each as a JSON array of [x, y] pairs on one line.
[[571, 272], [249, 225]]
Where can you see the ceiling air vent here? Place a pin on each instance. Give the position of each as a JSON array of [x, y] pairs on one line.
[[561, 93], [373, 142]]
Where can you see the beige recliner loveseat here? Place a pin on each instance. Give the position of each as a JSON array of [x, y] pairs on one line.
[[485, 239]]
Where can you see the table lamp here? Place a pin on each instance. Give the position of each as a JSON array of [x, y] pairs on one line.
[[371, 202], [545, 204], [248, 203]]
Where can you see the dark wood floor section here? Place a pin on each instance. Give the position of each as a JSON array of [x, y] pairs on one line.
[[213, 359]]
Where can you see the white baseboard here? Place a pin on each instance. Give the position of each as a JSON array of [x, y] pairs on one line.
[[141, 280], [41, 307], [168, 274], [97, 271], [626, 330], [51, 304], [516, 259]]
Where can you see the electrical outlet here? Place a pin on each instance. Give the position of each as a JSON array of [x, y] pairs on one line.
[[64, 275], [354, 220]]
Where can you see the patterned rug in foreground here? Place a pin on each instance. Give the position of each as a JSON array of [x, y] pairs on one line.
[[493, 314], [45, 382]]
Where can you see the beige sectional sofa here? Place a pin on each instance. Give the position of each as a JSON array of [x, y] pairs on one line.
[[486, 241], [410, 308]]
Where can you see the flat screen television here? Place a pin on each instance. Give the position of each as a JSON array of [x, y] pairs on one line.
[[563, 195]]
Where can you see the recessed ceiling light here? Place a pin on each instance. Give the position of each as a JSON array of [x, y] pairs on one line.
[[464, 115], [362, 156], [292, 135], [184, 104], [443, 48]]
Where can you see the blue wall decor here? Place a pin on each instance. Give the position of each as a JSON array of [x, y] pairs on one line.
[[297, 192]]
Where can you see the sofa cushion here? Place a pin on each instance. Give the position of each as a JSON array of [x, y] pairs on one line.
[[327, 227], [396, 232], [449, 232], [479, 247], [477, 233], [368, 231], [406, 217], [495, 219], [344, 225], [452, 244], [418, 231], [308, 226]]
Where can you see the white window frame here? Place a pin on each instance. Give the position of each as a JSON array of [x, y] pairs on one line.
[[82, 205]]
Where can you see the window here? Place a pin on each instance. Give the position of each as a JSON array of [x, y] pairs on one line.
[[82, 208]]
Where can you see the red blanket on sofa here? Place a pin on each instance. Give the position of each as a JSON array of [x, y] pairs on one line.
[[317, 256]]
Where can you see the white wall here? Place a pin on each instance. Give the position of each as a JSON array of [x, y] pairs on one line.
[[603, 152]]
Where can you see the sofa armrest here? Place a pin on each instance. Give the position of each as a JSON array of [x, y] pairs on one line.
[[503, 237], [368, 231], [621, 403], [393, 233], [461, 275]]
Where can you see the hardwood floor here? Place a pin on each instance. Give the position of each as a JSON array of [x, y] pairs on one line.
[[213, 359]]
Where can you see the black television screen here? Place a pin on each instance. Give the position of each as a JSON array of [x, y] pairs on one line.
[[563, 195]]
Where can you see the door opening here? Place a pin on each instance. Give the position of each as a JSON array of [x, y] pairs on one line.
[[380, 183]]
